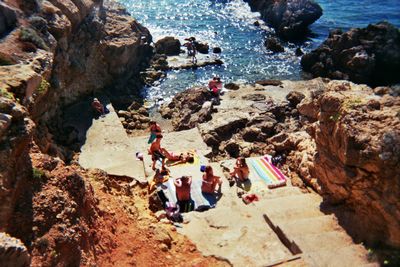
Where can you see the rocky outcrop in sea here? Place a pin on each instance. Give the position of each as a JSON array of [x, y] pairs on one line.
[[369, 55], [290, 18]]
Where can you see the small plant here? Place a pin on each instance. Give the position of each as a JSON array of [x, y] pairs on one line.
[[43, 87], [352, 103], [6, 94], [30, 35], [38, 174], [335, 117]]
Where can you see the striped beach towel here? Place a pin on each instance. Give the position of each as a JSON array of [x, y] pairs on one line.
[[268, 173]]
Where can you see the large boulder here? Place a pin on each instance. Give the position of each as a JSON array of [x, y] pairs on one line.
[[274, 45], [369, 55], [189, 108], [290, 18], [169, 46]]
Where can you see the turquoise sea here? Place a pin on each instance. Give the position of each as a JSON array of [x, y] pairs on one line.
[[229, 25]]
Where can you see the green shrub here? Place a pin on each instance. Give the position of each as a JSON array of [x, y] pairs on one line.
[[38, 174], [6, 94], [43, 87], [30, 35]]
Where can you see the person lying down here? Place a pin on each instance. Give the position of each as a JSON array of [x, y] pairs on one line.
[[178, 158]]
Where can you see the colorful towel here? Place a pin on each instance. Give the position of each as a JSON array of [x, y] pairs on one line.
[[201, 201], [196, 161], [268, 173]]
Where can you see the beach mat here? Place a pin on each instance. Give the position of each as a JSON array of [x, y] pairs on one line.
[[201, 201], [196, 161], [263, 173]]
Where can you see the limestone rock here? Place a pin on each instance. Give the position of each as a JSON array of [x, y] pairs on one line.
[[369, 55], [169, 46], [274, 45], [295, 98], [289, 18], [13, 253]]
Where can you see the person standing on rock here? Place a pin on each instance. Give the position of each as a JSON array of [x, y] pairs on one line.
[[191, 48], [97, 107], [155, 152], [215, 86], [155, 130], [182, 186]]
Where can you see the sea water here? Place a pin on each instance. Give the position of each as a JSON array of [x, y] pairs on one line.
[[229, 24]]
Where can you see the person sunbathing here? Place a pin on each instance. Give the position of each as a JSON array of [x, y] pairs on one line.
[[181, 158], [210, 181], [241, 170], [182, 187]]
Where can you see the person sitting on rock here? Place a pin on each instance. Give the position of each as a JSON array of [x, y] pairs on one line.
[[155, 130], [182, 186], [210, 181], [215, 86], [241, 170], [181, 158], [155, 152], [97, 107]]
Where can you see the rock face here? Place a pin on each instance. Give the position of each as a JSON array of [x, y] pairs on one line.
[[358, 153], [52, 54], [339, 138], [290, 18], [274, 45], [8, 18], [13, 252], [16, 131], [370, 55]]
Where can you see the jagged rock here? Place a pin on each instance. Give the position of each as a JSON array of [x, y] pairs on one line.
[[274, 45], [295, 98], [231, 86], [290, 18], [233, 149], [202, 47], [369, 55], [299, 52], [8, 18], [256, 23], [189, 108], [217, 50], [360, 148], [269, 82], [251, 134], [13, 252], [169, 46]]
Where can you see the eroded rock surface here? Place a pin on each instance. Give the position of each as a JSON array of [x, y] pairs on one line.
[[290, 18], [339, 138], [369, 55]]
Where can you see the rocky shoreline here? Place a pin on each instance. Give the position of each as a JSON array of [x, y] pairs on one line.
[[341, 139]]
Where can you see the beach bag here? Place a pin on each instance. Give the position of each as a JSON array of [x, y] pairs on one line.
[[172, 211]]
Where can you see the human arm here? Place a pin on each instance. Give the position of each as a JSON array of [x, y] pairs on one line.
[[178, 182]]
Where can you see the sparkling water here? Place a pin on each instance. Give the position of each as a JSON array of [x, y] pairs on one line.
[[229, 25]]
